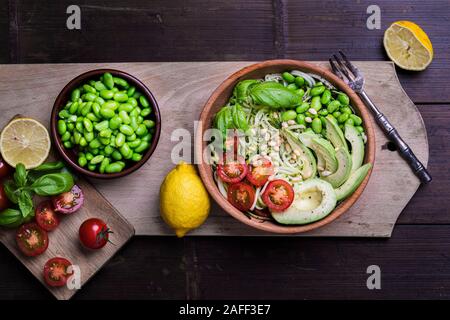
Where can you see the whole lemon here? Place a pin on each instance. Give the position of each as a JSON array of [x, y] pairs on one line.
[[184, 201]]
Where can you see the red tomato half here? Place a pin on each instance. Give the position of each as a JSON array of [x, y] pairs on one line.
[[232, 170], [241, 195], [4, 201], [259, 171], [32, 239], [278, 195], [46, 217], [56, 273], [94, 233]]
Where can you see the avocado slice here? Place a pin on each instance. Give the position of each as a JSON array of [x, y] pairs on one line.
[[309, 168], [314, 199], [357, 143], [326, 155], [343, 171], [353, 182], [334, 133]]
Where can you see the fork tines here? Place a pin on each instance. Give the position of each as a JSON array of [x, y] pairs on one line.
[[345, 70]]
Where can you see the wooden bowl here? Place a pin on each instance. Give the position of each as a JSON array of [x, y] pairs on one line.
[[70, 155], [220, 97]]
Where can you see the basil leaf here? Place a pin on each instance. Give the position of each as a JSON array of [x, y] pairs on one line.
[[49, 166], [25, 203], [239, 117], [241, 90], [11, 191], [53, 184], [11, 218], [274, 95], [20, 176]]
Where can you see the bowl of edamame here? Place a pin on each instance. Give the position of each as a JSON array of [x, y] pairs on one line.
[[105, 123]]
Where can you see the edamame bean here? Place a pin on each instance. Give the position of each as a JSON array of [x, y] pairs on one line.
[[73, 108], [96, 109], [132, 137], [323, 112], [360, 129], [131, 91], [67, 144], [343, 99], [142, 129], [103, 165], [91, 167], [82, 161], [135, 143], [97, 159], [289, 78], [105, 133], [147, 137], [102, 125], [357, 120], [108, 150], [133, 122], [133, 102], [127, 107], [350, 122], [125, 117], [116, 155], [316, 91], [89, 156], [86, 109], [144, 102], [285, 116], [115, 122], [144, 145], [89, 96], [292, 86], [64, 114], [113, 167], [104, 141], [108, 80], [302, 108], [83, 142], [110, 104], [342, 118], [88, 125], [300, 119], [120, 97], [336, 114], [346, 110], [299, 81], [75, 95], [94, 144], [120, 139], [99, 100], [70, 127], [333, 106], [136, 157], [125, 150], [121, 82], [315, 103], [66, 136], [99, 86], [92, 117], [77, 136], [106, 94], [126, 130], [107, 112], [326, 97], [79, 126], [88, 88], [62, 127], [149, 123]]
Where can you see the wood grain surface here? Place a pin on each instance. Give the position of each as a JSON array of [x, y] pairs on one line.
[[63, 242], [390, 187]]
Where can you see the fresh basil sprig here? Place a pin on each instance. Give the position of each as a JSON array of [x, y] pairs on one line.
[[43, 181]]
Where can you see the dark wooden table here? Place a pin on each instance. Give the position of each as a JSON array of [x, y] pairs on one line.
[[415, 262]]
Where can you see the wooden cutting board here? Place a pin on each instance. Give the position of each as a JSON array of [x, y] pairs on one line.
[[182, 89], [63, 242]]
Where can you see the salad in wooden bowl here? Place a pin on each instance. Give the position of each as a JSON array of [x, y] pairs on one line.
[[287, 147]]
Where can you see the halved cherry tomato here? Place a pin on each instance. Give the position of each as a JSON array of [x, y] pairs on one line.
[[278, 195], [46, 217], [32, 239], [94, 233], [69, 202], [259, 171], [241, 195], [232, 170], [56, 273]]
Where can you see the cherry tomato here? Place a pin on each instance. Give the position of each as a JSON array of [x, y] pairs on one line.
[[4, 201], [241, 195], [259, 171], [278, 195], [56, 273], [69, 202], [94, 233], [233, 170], [32, 239], [46, 217], [5, 169]]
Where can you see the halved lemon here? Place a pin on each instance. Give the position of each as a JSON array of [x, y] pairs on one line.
[[408, 45], [26, 141]]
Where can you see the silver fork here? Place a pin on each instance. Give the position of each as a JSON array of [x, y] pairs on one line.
[[345, 70]]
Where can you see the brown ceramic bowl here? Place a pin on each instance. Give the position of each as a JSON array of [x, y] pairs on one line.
[[70, 155], [220, 97]]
